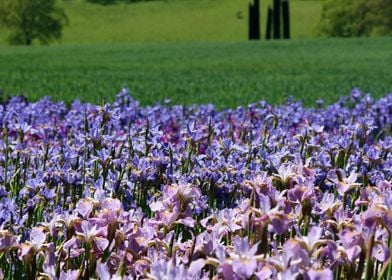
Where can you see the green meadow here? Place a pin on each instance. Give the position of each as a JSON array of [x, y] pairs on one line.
[[227, 74], [174, 21]]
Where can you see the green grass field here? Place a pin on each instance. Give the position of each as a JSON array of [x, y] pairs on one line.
[[173, 21], [223, 73]]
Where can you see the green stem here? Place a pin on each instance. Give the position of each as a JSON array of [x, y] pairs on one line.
[[338, 272], [45, 156], [369, 261], [5, 133], [389, 274]]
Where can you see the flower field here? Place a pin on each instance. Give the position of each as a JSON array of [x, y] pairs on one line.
[[122, 191]]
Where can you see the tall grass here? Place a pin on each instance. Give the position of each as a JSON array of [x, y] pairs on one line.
[[226, 74]]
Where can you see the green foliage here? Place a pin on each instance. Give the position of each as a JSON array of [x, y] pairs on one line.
[[108, 2], [347, 18], [226, 74], [30, 20]]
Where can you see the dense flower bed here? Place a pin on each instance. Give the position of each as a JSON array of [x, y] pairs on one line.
[[175, 192]]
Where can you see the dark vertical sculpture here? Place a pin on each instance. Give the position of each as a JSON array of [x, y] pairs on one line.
[[254, 20], [268, 30], [250, 22], [277, 19], [286, 19]]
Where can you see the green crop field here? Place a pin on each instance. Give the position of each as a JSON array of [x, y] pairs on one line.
[[173, 21], [223, 73]]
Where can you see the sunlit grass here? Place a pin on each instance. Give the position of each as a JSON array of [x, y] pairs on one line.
[[173, 21]]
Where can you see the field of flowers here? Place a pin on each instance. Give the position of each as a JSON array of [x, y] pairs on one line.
[[122, 191]]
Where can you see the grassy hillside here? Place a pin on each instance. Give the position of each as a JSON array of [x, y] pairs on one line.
[[173, 21], [227, 74]]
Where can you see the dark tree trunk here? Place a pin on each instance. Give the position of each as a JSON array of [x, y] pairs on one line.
[[276, 19], [268, 30], [254, 20], [286, 19], [27, 37]]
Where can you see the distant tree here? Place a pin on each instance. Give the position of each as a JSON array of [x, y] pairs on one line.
[[30, 20], [347, 18]]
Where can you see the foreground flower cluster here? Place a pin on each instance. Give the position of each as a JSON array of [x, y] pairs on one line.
[[175, 192]]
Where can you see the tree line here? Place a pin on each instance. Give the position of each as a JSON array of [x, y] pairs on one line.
[[349, 18], [43, 20], [30, 20]]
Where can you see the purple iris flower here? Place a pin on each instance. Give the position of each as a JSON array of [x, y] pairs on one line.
[[244, 262]]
